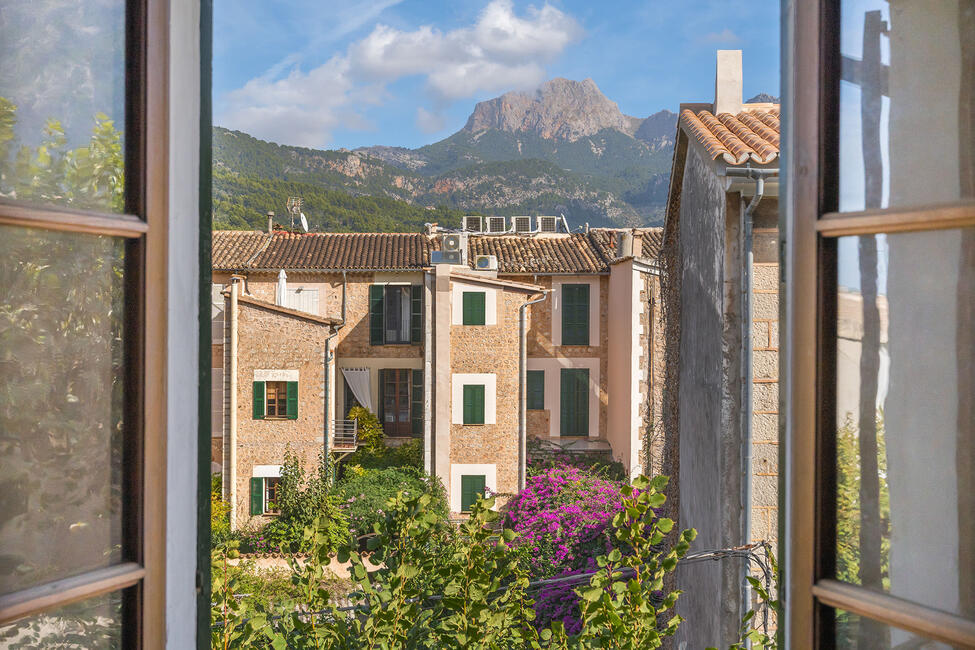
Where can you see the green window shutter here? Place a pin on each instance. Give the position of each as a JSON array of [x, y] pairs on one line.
[[536, 389], [377, 293], [292, 400], [574, 409], [575, 314], [471, 486], [257, 496], [416, 403], [416, 313], [473, 404], [474, 307], [259, 400]]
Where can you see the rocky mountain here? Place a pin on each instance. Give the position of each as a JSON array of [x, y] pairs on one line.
[[564, 148]]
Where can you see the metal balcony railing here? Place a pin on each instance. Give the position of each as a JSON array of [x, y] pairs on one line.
[[345, 436]]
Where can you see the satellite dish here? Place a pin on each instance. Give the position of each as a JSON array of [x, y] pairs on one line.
[[304, 222]]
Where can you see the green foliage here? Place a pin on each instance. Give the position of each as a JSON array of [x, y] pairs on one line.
[[374, 452], [749, 634], [364, 494], [219, 513]]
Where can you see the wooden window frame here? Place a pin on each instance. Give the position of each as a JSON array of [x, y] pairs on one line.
[[813, 224], [144, 226], [396, 430], [279, 387], [272, 485]]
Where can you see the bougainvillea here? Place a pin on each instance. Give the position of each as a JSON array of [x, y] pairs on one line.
[[561, 518]]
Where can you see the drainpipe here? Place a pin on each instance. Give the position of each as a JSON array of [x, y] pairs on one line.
[[428, 373], [745, 226], [328, 377], [523, 389], [232, 425]]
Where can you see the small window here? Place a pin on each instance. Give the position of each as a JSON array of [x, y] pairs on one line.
[[536, 390], [474, 404], [471, 488], [275, 400], [271, 490], [264, 495], [575, 314], [474, 308]]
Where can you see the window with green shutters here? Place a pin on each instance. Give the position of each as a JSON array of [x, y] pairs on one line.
[[471, 486], [416, 403], [575, 314], [474, 307], [288, 399], [473, 404], [264, 495], [536, 389], [395, 314], [574, 410], [257, 497]]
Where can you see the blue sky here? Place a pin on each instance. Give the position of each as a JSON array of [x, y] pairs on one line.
[[408, 72]]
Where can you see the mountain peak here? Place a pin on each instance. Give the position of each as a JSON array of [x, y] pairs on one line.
[[558, 109]]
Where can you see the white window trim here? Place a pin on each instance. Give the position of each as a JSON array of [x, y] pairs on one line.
[[457, 470], [266, 471], [594, 302], [553, 382], [457, 291], [275, 375], [489, 381]]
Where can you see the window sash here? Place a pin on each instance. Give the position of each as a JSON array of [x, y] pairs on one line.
[[575, 314], [535, 389], [473, 307]]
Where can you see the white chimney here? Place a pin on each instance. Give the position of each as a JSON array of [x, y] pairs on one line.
[[727, 83]]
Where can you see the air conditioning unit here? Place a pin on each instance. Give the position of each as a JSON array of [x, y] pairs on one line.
[[486, 262], [548, 224], [448, 257], [497, 225], [521, 224], [455, 241], [473, 224]]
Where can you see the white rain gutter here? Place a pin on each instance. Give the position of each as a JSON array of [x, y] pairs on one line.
[[326, 368], [232, 425]]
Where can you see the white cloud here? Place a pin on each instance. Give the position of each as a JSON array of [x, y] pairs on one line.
[[500, 51], [725, 36]]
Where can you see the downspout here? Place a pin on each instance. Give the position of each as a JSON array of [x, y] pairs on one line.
[[232, 425], [328, 376], [428, 373], [523, 388], [747, 298]]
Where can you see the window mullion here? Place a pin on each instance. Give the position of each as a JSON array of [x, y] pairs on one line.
[[889, 220]]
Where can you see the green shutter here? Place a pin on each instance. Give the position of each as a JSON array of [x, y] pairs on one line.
[[259, 400], [575, 314], [416, 313], [416, 403], [536, 389], [574, 409], [471, 486], [292, 400], [474, 307], [257, 496], [377, 293], [473, 404]]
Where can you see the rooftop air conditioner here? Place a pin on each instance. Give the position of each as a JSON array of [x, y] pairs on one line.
[[473, 224], [455, 241], [448, 257], [521, 224], [497, 225], [486, 262], [548, 224]]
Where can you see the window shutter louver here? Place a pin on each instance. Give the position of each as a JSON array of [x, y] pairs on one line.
[[416, 314], [575, 314], [382, 398], [535, 389], [574, 409], [474, 404], [376, 314], [257, 497], [258, 400], [292, 400], [473, 308], [471, 486], [416, 403]]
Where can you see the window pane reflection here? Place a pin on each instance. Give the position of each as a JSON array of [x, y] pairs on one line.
[[854, 631], [60, 405], [905, 416], [62, 102], [906, 103], [89, 624]]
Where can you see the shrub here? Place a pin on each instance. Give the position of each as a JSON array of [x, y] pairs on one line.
[[364, 493], [374, 452], [600, 464], [219, 513]]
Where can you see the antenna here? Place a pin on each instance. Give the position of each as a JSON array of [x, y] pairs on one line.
[[294, 207]]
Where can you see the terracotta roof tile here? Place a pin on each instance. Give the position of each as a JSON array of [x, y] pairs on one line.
[[232, 248], [540, 254], [749, 136]]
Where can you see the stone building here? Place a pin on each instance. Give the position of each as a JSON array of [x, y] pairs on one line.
[[720, 257], [433, 348]]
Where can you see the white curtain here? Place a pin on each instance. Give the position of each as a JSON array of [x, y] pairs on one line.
[[358, 380]]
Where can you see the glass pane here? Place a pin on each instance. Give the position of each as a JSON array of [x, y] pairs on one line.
[[854, 631], [89, 624], [905, 416], [906, 99], [60, 405], [62, 102]]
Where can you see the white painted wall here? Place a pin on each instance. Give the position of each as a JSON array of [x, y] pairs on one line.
[[489, 381], [553, 380], [595, 300], [457, 291], [489, 471]]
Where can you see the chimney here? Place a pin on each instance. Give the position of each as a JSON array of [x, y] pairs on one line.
[[270, 223], [727, 83], [624, 243]]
